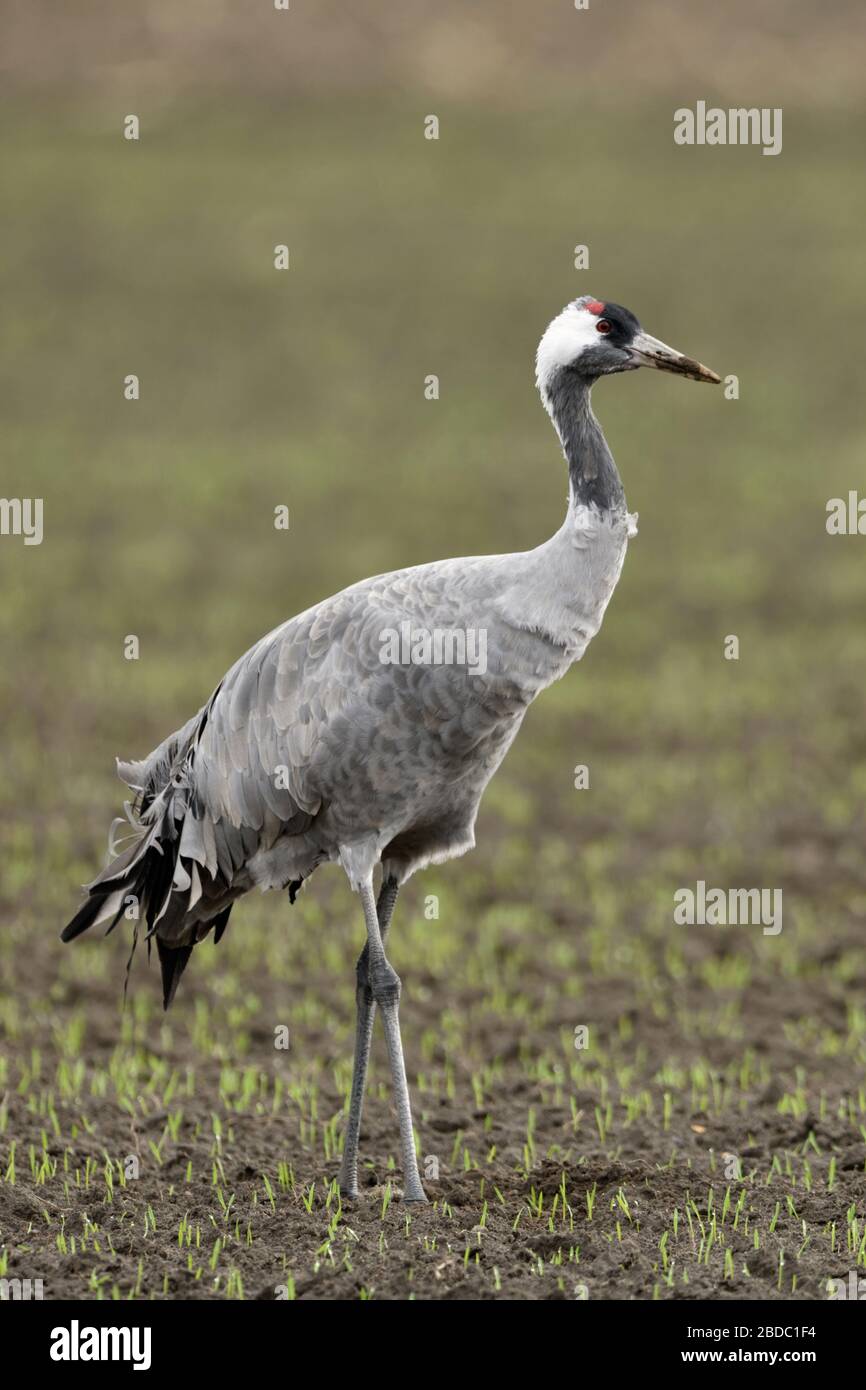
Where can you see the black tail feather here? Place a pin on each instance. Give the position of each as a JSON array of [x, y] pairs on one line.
[[165, 883], [172, 961], [220, 923], [83, 918]]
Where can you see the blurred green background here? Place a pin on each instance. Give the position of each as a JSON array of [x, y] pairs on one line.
[[306, 388], [411, 257]]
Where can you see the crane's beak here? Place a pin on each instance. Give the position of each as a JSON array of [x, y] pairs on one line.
[[649, 352]]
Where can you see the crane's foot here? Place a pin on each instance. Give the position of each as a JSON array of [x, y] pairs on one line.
[[415, 1194], [412, 1191]]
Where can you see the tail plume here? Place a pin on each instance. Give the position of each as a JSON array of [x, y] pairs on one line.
[[168, 872], [172, 962]]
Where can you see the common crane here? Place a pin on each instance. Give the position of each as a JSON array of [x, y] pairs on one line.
[[323, 744]]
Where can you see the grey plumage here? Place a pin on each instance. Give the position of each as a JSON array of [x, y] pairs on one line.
[[312, 749]]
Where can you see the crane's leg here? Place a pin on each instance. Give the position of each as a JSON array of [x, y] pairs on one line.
[[366, 1013], [378, 983]]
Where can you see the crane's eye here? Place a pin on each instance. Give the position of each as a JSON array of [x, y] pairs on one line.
[[603, 326]]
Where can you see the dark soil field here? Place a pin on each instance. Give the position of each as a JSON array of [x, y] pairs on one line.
[[608, 1104], [608, 1179]]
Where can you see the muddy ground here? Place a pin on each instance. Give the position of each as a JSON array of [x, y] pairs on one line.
[[542, 1191]]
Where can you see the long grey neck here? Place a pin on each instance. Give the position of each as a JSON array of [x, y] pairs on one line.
[[592, 473]]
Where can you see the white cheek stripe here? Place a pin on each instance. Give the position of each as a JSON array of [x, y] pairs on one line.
[[570, 334]]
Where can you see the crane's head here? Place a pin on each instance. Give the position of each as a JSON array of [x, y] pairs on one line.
[[593, 338]]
